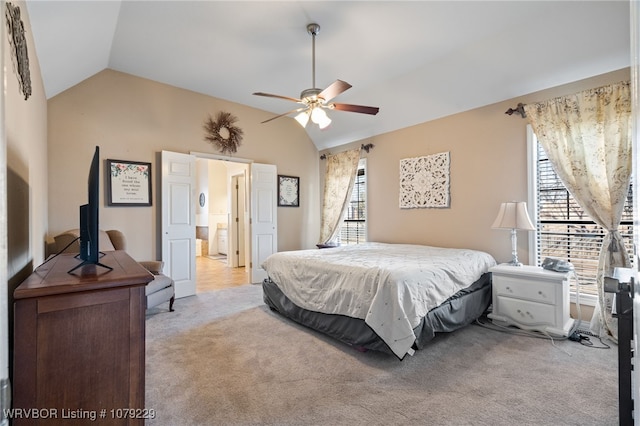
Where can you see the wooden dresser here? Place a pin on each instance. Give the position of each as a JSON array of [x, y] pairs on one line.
[[79, 343]]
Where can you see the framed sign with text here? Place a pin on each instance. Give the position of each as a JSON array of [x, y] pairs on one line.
[[129, 183], [288, 191]]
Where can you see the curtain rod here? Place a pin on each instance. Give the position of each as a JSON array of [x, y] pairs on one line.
[[519, 109], [364, 147]]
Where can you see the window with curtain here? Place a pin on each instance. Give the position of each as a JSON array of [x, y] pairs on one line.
[[354, 225], [564, 230]]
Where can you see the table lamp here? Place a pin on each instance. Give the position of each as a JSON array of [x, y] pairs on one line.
[[513, 215]]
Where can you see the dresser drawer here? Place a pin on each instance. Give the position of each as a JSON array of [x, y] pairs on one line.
[[523, 288], [526, 313]]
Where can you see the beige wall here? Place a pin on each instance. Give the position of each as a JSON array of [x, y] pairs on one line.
[[133, 119], [488, 154], [26, 133], [25, 128]]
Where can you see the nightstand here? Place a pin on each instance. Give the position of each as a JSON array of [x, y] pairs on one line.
[[531, 298]]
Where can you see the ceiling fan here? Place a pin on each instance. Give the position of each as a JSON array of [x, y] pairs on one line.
[[315, 100]]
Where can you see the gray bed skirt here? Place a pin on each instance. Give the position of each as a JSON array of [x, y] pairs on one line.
[[459, 310]]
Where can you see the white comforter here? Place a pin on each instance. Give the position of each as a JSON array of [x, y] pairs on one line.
[[390, 286]]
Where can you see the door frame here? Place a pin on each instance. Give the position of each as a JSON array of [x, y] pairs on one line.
[[248, 247], [254, 269]]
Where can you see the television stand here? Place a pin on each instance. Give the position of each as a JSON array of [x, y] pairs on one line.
[[79, 341], [88, 262]]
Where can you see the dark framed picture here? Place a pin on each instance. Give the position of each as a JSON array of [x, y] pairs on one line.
[[128, 183], [288, 191]]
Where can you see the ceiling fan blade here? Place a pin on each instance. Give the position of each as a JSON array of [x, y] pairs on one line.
[[334, 90], [269, 95], [355, 108], [286, 113]]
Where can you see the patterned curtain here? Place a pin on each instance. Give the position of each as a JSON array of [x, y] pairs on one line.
[[587, 137], [340, 174]]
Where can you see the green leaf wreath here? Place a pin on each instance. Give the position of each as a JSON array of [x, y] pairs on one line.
[[224, 120]]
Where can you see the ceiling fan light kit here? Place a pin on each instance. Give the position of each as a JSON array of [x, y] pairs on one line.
[[303, 118], [315, 100]]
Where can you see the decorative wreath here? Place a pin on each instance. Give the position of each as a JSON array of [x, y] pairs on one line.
[[225, 143]]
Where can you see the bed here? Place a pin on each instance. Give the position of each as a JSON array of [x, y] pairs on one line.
[[385, 297]]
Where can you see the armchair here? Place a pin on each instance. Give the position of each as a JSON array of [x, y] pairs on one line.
[[158, 291]]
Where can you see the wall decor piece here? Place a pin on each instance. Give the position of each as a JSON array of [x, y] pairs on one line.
[[222, 133], [288, 191], [129, 183], [424, 181], [18, 45]]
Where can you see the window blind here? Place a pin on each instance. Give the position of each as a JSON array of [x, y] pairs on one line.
[[353, 230], [565, 231]]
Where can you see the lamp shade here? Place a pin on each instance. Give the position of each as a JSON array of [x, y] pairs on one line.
[[320, 117], [324, 123], [513, 215], [303, 118]]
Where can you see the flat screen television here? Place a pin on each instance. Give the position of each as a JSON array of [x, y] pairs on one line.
[[89, 223]]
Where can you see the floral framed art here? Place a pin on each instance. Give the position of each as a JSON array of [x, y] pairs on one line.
[[128, 183], [288, 191]]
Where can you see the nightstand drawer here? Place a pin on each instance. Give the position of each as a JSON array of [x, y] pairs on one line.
[[531, 298], [523, 288], [526, 313]]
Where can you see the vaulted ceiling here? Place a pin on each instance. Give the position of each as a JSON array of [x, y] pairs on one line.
[[416, 60]]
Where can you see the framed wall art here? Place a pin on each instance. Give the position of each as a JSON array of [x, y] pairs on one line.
[[288, 191], [18, 47], [128, 183], [424, 181]]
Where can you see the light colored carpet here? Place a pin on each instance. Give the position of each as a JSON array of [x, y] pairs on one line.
[[223, 358]]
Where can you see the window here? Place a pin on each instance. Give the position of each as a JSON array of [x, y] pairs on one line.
[[354, 225], [564, 230]]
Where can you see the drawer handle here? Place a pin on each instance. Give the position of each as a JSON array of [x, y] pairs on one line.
[[525, 314]]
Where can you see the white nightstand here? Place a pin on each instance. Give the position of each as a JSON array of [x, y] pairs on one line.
[[531, 298]]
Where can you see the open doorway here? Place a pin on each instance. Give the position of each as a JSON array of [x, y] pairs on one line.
[[221, 224], [180, 200]]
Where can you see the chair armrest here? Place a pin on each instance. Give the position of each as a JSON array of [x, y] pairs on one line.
[[117, 239], [153, 266], [51, 248]]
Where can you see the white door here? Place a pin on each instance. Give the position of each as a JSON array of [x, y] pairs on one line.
[[264, 217], [179, 220]]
